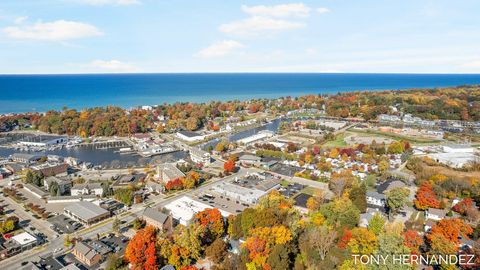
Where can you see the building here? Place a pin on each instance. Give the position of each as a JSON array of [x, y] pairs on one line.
[[167, 172], [43, 140], [248, 159], [184, 208], [36, 191], [243, 194], [375, 199], [64, 185], [158, 219], [86, 254], [87, 189], [127, 180], [190, 136], [435, 214], [86, 212], [457, 148], [48, 169], [197, 155], [25, 158], [261, 135], [17, 244]]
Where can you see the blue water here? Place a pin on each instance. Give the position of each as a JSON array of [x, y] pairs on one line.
[[20, 93]]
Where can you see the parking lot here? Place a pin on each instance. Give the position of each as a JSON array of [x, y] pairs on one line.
[[62, 224]]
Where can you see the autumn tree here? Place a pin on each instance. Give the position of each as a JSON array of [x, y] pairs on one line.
[[212, 221], [426, 197], [376, 224], [396, 199], [217, 251], [363, 241], [320, 238], [229, 166], [141, 251]]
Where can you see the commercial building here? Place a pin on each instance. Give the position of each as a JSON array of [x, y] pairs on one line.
[[86, 253], [190, 136], [64, 185], [167, 172], [24, 158], [235, 192], [261, 135], [17, 244], [184, 208], [43, 140], [86, 212], [157, 219]]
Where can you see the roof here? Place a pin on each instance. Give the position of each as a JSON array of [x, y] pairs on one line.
[[184, 208], [376, 195], [249, 157], [25, 156], [24, 238], [154, 214], [71, 266], [87, 186], [437, 212], [189, 133], [171, 170], [85, 250], [301, 200], [59, 181], [390, 184], [85, 210]]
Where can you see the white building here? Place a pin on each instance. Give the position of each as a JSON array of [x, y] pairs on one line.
[[87, 189], [235, 192], [190, 136], [184, 208], [43, 140], [435, 214], [375, 198], [197, 155], [261, 135]]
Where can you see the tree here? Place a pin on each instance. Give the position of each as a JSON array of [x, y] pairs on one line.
[[396, 148], [358, 197], [116, 225], [114, 262], [212, 221], [229, 166], [279, 258], [53, 189], [412, 240], [140, 251], [376, 224], [426, 197], [451, 229], [396, 199], [340, 213], [217, 251], [363, 241], [321, 239]]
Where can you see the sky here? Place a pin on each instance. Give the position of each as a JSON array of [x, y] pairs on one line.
[[148, 36]]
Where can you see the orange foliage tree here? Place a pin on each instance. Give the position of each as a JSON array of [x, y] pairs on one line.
[[141, 251], [426, 197], [229, 166], [451, 229], [211, 219]]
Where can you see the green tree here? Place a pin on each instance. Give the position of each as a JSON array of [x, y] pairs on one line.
[[396, 199], [114, 262], [376, 224], [53, 189]]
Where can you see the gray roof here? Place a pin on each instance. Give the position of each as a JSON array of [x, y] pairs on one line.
[[59, 181], [249, 157], [189, 133], [437, 212], [85, 210], [171, 170], [154, 214], [376, 195], [88, 186], [85, 250]]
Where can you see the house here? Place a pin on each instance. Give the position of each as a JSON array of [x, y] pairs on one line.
[[197, 155], [86, 212], [86, 254], [128, 179], [301, 202], [390, 184], [190, 136], [64, 185], [435, 214], [375, 199], [43, 140], [87, 189], [157, 219], [167, 172]]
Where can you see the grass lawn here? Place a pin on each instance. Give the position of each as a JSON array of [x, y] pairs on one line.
[[338, 142], [309, 190], [397, 137]]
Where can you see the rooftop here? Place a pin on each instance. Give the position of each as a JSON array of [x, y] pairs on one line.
[[189, 133], [154, 214], [85, 210], [24, 238]]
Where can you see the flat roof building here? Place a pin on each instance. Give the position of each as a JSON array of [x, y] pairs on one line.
[[184, 208], [190, 136], [167, 172], [85, 212], [246, 195]]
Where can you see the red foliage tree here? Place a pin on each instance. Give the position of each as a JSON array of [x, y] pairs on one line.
[[174, 184], [229, 166], [343, 242], [212, 220], [462, 206], [412, 240], [426, 197], [140, 251]]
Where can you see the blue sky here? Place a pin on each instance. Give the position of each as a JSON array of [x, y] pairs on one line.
[[96, 36]]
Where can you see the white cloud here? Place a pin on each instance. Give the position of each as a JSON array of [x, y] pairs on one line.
[[110, 2], [219, 49], [284, 10], [323, 10], [258, 25], [60, 30], [20, 20], [113, 66]]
